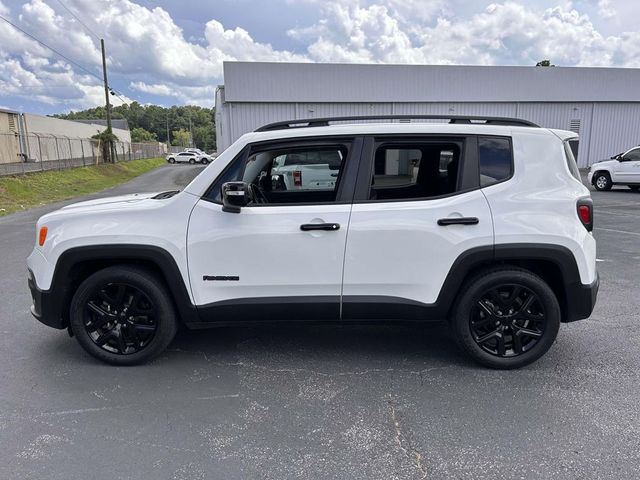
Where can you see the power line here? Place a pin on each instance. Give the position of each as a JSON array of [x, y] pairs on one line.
[[60, 54], [50, 48], [78, 19]]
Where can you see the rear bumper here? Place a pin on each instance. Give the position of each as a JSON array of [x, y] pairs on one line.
[[581, 299], [45, 307]]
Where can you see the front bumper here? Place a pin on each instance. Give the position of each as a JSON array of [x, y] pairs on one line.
[[590, 177], [46, 307], [581, 299]]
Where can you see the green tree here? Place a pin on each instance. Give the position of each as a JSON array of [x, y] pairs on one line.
[[180, 137], [139, 134], [204, 138], [155, 119], [106, 138], [544, 63]]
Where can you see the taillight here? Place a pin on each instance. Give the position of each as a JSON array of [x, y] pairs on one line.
[[297, 178], [585, 213]]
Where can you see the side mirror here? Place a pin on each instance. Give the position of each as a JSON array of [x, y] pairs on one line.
[[235, 195]]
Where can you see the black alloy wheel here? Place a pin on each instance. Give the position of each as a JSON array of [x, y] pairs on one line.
[[123, 315], [508, 320], [120, 319], [506, 317]]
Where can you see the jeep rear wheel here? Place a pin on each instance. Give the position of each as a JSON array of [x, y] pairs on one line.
[[122, 315], [506, 318], [602, 181]]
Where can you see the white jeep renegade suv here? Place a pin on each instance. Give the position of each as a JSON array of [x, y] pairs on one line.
[[480, 222]]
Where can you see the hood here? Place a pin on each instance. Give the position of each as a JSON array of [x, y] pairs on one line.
[[120, 204], [604, 163], [121, 199]]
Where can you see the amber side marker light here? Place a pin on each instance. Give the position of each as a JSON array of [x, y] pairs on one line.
[[42, 235]]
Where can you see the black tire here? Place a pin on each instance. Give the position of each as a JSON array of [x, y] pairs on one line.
[[513, 344], [192, 161], [145, 330], [204, 161], [602, 181], [172, 160], [635, 188]]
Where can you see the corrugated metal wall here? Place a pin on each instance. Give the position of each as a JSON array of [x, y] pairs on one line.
[[616, 128], [566, 116], [604, 128]]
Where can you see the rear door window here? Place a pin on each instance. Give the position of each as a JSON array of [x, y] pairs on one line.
[[412, 171], [495, 159]]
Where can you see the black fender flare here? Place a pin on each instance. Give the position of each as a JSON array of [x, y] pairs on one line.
[[62, 284]]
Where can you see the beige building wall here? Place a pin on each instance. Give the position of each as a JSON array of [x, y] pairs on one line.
[[58, 127], [9, 146]]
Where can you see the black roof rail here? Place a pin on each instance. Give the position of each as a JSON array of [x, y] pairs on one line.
[[324, 122]]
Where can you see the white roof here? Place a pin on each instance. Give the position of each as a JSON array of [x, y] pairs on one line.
[[328, 82]]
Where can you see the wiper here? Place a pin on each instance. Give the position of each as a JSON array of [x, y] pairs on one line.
[[163, 195]]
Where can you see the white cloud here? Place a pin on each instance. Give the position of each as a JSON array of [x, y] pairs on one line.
[[504, 33], [150, 54], [606, 9], [155, 88]]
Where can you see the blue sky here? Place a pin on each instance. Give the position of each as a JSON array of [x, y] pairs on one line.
[[171, 52]]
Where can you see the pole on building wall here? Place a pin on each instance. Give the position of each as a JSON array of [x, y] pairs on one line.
[[106, 98], [40, 150]]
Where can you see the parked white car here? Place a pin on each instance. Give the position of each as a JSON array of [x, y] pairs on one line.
[[189, 157], [485, 225], [621, 169]]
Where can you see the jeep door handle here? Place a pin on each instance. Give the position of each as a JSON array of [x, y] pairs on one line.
[[458, 221], [306, 227]]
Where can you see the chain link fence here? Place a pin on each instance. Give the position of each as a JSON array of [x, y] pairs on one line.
[[39, 152]]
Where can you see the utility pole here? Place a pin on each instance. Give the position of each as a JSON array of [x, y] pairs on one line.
[[106, 97], [190, 131], [168, 140]]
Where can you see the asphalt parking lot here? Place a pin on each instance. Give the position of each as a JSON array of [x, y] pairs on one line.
[[324, 402]]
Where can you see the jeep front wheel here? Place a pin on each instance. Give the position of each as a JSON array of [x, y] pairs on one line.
[[602, 181], [123, 315], [506, 318]]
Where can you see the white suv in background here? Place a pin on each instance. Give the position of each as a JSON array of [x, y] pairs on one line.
[[621, 169], [189, 156], [481, 222]]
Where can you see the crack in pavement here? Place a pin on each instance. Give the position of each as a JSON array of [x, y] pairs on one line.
[[409, 451], [294, 371]]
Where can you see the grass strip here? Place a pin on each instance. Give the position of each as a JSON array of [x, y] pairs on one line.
[[21, 192]]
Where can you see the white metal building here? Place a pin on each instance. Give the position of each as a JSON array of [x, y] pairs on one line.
[[601, 104]]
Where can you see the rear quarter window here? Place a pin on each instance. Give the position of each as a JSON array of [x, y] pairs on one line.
[[571, 160]]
